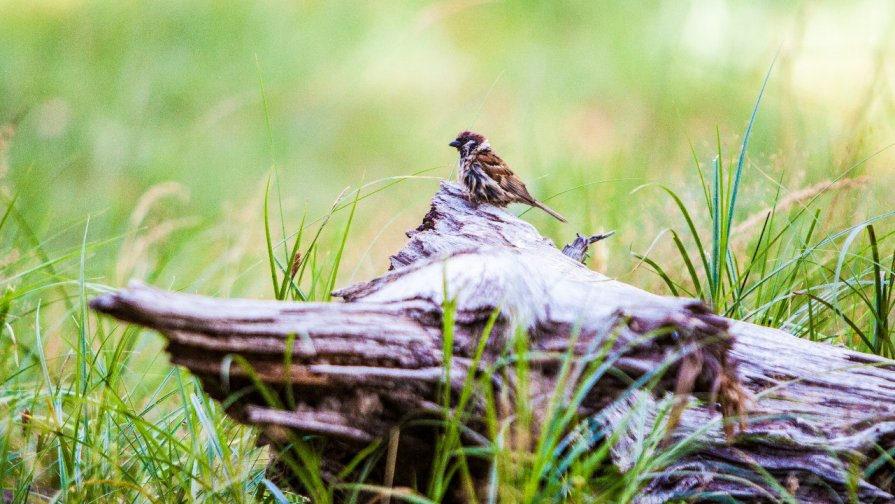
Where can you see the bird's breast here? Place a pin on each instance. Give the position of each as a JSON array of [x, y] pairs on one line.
[[479, 185]]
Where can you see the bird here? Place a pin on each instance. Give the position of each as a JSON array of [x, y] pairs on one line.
[[487, 178]]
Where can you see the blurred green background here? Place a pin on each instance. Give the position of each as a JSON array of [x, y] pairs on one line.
[[137, 139], [586, 100]]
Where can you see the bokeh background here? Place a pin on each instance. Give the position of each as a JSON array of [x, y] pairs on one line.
[[137, 140], [586, 100]]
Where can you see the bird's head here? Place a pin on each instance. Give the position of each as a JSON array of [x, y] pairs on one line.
[[468, 142]]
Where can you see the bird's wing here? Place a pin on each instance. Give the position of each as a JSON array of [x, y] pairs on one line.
[[498, 170]]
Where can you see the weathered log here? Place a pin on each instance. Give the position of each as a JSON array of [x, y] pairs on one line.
[[350, 372]]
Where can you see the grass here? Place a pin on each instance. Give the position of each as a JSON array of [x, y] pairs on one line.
[[765, 282], [201, 150]]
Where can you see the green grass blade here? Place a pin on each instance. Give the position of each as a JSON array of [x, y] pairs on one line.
[[843, 316], [801, 256], [292, 271], [693, 233], [82, 329], [682, 250], [716, 269], [879, 309], [702, 181], [331, 285], [672, 286], [742, 158], [270, 255]]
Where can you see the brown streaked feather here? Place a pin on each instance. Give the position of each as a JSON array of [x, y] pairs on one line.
[[488, 178], [517, 188], [498, 170], [493, 166]]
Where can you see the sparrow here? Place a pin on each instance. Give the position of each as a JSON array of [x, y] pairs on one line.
[[487, 178]]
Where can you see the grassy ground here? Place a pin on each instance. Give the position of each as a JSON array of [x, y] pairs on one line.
[[138, 141]]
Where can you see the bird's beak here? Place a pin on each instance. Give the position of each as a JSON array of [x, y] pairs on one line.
[[455, 144]]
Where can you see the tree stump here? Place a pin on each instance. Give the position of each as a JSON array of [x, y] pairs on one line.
[[819, 417]]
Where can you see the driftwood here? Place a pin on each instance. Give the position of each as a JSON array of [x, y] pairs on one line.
[[818, 415]]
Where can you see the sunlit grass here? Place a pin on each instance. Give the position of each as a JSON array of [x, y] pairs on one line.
[[208, 150], [99, 419]]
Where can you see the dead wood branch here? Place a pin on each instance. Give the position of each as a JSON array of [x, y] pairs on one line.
[[818, 414]]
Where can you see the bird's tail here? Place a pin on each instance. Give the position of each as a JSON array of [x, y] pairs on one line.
[[550, 211]]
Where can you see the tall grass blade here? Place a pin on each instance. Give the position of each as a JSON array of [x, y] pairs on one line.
[[270, 254], [331, 285], [715, 272], [742, 157], [672, 286]]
